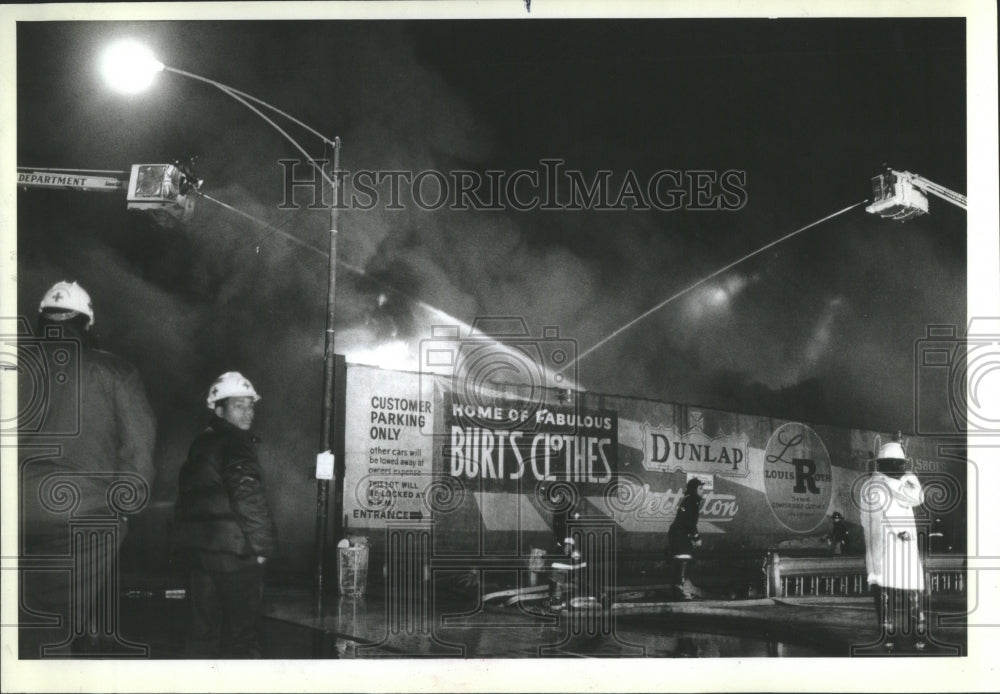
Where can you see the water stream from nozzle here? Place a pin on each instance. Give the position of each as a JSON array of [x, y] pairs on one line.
[[442, 317], [689, 288]]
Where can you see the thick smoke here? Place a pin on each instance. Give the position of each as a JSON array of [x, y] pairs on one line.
[[820, 329]]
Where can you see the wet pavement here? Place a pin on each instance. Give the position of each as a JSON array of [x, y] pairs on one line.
[[449, 626], [794, 627], [462, 625]]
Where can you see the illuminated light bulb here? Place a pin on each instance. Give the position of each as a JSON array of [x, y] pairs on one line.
[[128, 66]]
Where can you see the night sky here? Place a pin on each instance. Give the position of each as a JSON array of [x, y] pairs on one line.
[[820, 328]]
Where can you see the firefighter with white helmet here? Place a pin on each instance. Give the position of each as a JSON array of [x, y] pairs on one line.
[[66, 300], [89, 407], [231, 384], [892, 555], [224, 530]]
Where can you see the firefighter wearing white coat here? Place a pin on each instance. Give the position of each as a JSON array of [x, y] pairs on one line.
[[892, 555]]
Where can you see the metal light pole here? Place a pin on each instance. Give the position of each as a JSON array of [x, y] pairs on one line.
[[329, 366], [131, 67]]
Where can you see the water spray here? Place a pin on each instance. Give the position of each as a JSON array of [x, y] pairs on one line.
[[689, 288], [437, 314]]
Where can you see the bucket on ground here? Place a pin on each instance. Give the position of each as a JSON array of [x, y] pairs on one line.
[[352, 566]]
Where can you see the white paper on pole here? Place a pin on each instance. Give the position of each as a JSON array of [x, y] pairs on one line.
[[324, 465]]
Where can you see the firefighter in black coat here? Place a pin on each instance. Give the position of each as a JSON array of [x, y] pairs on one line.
[[224, 530], [87, 433], [683, 535]]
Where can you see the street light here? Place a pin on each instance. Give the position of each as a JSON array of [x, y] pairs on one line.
[[130, 67]]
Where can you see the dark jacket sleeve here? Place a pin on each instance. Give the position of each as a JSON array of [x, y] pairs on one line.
[[136, 426], [687, 517], [241, 479]]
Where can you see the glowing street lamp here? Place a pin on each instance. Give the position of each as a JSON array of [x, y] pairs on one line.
[[130, 67]]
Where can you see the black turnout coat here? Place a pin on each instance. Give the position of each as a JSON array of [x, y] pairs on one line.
[[221, 506], [685, 526]]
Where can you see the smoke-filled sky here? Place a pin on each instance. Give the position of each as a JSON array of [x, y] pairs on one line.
[[819, 328]]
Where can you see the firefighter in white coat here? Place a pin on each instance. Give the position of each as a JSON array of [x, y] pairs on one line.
[[892, 555]]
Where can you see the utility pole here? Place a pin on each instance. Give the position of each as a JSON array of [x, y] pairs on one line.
[[329, 393]]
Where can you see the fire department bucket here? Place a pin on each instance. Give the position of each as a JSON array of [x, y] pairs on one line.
[[352, 569]]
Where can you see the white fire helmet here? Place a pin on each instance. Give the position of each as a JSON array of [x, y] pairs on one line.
[[69, 297], [231, 384], [891, 451]]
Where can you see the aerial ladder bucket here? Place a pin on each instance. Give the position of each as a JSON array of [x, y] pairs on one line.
[[902, 195], [895, 197], [161, 190], [166, 192]]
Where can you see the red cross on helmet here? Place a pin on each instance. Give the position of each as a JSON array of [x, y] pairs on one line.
[[231, 384], [67, 299]]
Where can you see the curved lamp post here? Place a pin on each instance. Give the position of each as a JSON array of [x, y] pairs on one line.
[[130, 67]]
